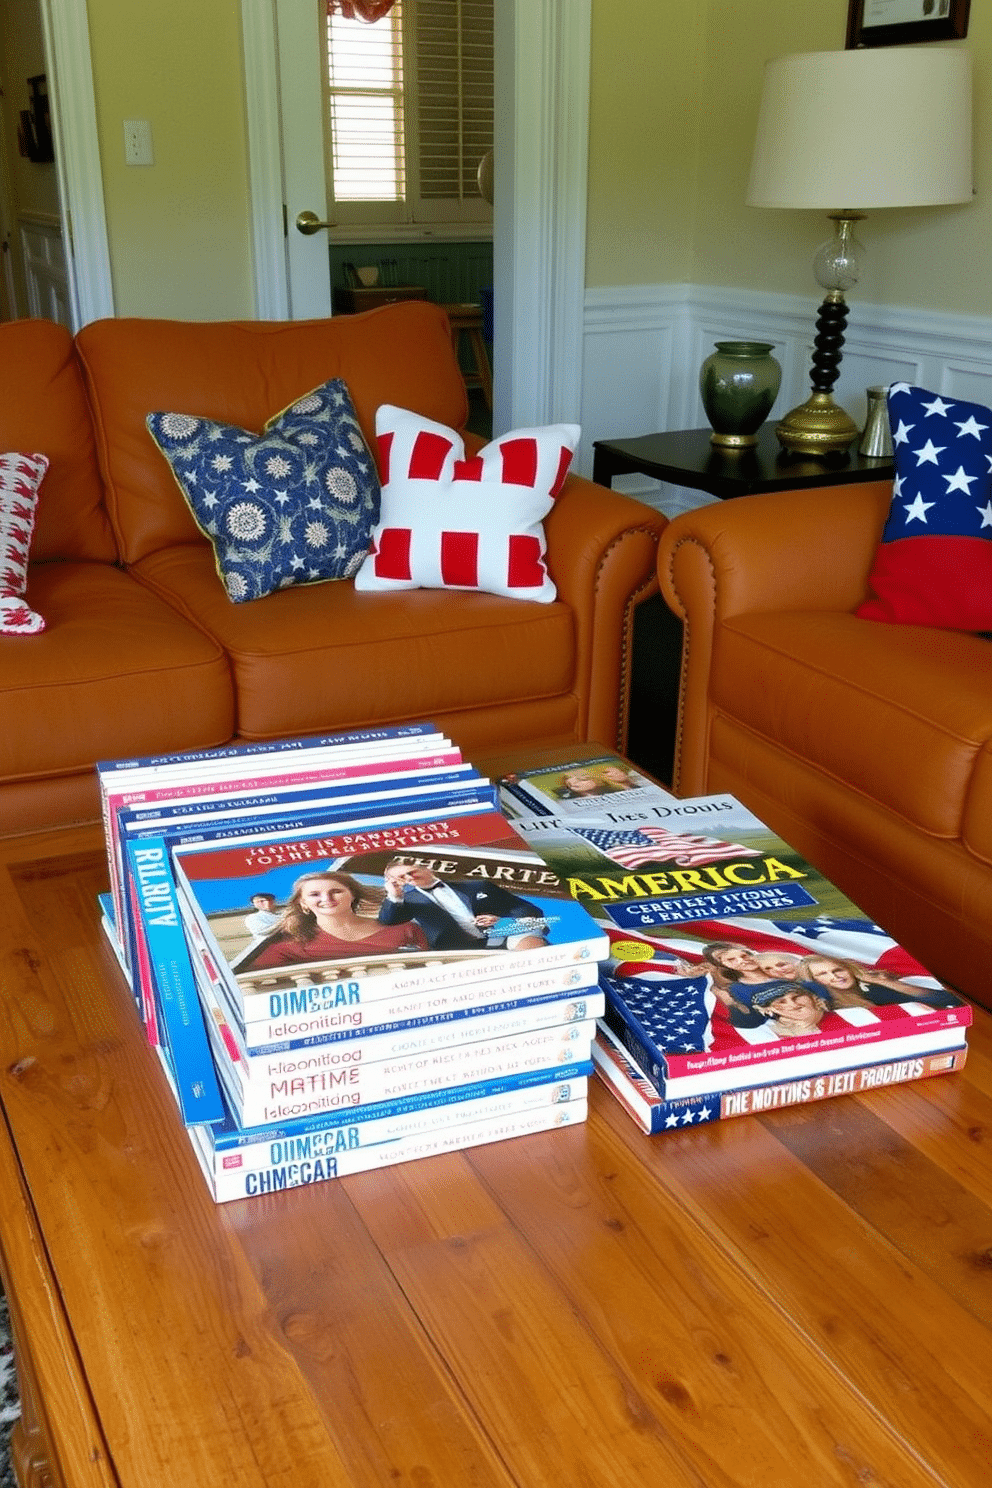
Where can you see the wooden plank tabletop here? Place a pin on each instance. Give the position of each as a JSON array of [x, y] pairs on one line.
[[799, 1298]]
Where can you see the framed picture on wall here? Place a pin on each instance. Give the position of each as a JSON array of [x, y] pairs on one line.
[[872, 23]]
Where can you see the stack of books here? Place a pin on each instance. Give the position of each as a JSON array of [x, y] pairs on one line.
[[739, 979], [344, 955]]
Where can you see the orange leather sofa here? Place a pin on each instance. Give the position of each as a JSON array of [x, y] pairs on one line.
[[144, 652], [867, 746]]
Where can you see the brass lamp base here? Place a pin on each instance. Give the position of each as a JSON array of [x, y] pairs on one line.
[[734, 441], [816, 427]]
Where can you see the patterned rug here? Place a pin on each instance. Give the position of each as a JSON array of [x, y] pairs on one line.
[[10, 1406]]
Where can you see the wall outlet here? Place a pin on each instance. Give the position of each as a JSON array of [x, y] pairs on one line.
[[138, 142]]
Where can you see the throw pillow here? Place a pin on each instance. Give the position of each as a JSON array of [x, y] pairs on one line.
[[292, 505], [20, 480], [452, 523], [934, 562]]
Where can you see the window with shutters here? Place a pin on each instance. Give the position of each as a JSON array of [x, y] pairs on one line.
[[410, 115]]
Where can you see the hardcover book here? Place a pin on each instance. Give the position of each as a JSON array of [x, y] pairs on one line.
[[351, 1011], [732, 960], [630, 1086]]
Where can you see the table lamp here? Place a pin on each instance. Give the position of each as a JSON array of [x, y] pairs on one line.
[[846, 133]]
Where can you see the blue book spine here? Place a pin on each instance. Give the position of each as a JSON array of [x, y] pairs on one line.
[[517, 803], [180, 1016], [263, 804]]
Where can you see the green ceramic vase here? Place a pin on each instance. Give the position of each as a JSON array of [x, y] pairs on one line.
[[738, 384]]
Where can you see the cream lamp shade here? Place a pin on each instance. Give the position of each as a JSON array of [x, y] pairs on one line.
[[845, 133], [863, 129]]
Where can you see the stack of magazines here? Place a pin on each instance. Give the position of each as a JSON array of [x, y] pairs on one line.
[[739, 979], [344, 955]]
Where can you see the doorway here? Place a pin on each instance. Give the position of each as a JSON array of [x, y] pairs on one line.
[[74, 282], [542, 92], [35, 276]]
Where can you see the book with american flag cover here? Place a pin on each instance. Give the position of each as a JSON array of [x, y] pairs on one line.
[[631, 1088], [731, 955]]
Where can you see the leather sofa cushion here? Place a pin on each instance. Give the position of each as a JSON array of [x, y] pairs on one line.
[[322, 656], [898, 712], [244, 373], [116, 673], [43, 410]]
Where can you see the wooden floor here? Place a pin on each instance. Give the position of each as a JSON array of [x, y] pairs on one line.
[[798, 1299]]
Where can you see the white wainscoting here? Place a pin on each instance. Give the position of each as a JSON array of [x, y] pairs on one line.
[[45, 272], [643, 347]]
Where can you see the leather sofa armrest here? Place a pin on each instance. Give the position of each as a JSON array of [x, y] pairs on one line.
[[808, 549], [602, 556], [789, 550]]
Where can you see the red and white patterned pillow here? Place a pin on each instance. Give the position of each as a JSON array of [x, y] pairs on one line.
[[20, 479], [451, 523]]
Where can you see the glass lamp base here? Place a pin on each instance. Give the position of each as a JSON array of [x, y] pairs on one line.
[[816, 427]]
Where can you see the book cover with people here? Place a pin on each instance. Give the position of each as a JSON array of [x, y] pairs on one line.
[[730, 952], [580, 787], [217, 772], [389, 908], [329, 805]]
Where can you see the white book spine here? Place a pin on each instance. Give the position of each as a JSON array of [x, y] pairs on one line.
[[390, 1079], [275, 1178], [350, 1136], [351, 1012], [369, 1048], [437, 969]]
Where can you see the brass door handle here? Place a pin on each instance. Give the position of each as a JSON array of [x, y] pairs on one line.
[[308, 223]]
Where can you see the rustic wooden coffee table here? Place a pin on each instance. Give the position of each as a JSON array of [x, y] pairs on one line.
[[799, 1298]]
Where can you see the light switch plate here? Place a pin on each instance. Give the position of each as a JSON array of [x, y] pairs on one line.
[[138, 142]]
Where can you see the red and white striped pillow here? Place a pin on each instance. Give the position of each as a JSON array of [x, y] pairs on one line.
[[20, 479], [447, 522]]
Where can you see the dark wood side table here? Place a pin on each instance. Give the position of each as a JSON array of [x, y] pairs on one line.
[[354, 299], [685, 457]]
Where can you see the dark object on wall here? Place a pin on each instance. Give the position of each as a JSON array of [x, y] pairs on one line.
[[940, 20], [34, 134]]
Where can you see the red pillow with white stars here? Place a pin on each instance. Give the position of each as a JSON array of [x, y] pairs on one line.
[[934, 561], [447, 522], [20, 480]]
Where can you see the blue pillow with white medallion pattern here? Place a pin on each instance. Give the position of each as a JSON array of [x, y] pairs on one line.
[[295, 504]]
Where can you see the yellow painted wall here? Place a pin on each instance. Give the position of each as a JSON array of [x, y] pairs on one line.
[[647, 57], [706, 71], [179, 230], [673, 100]]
